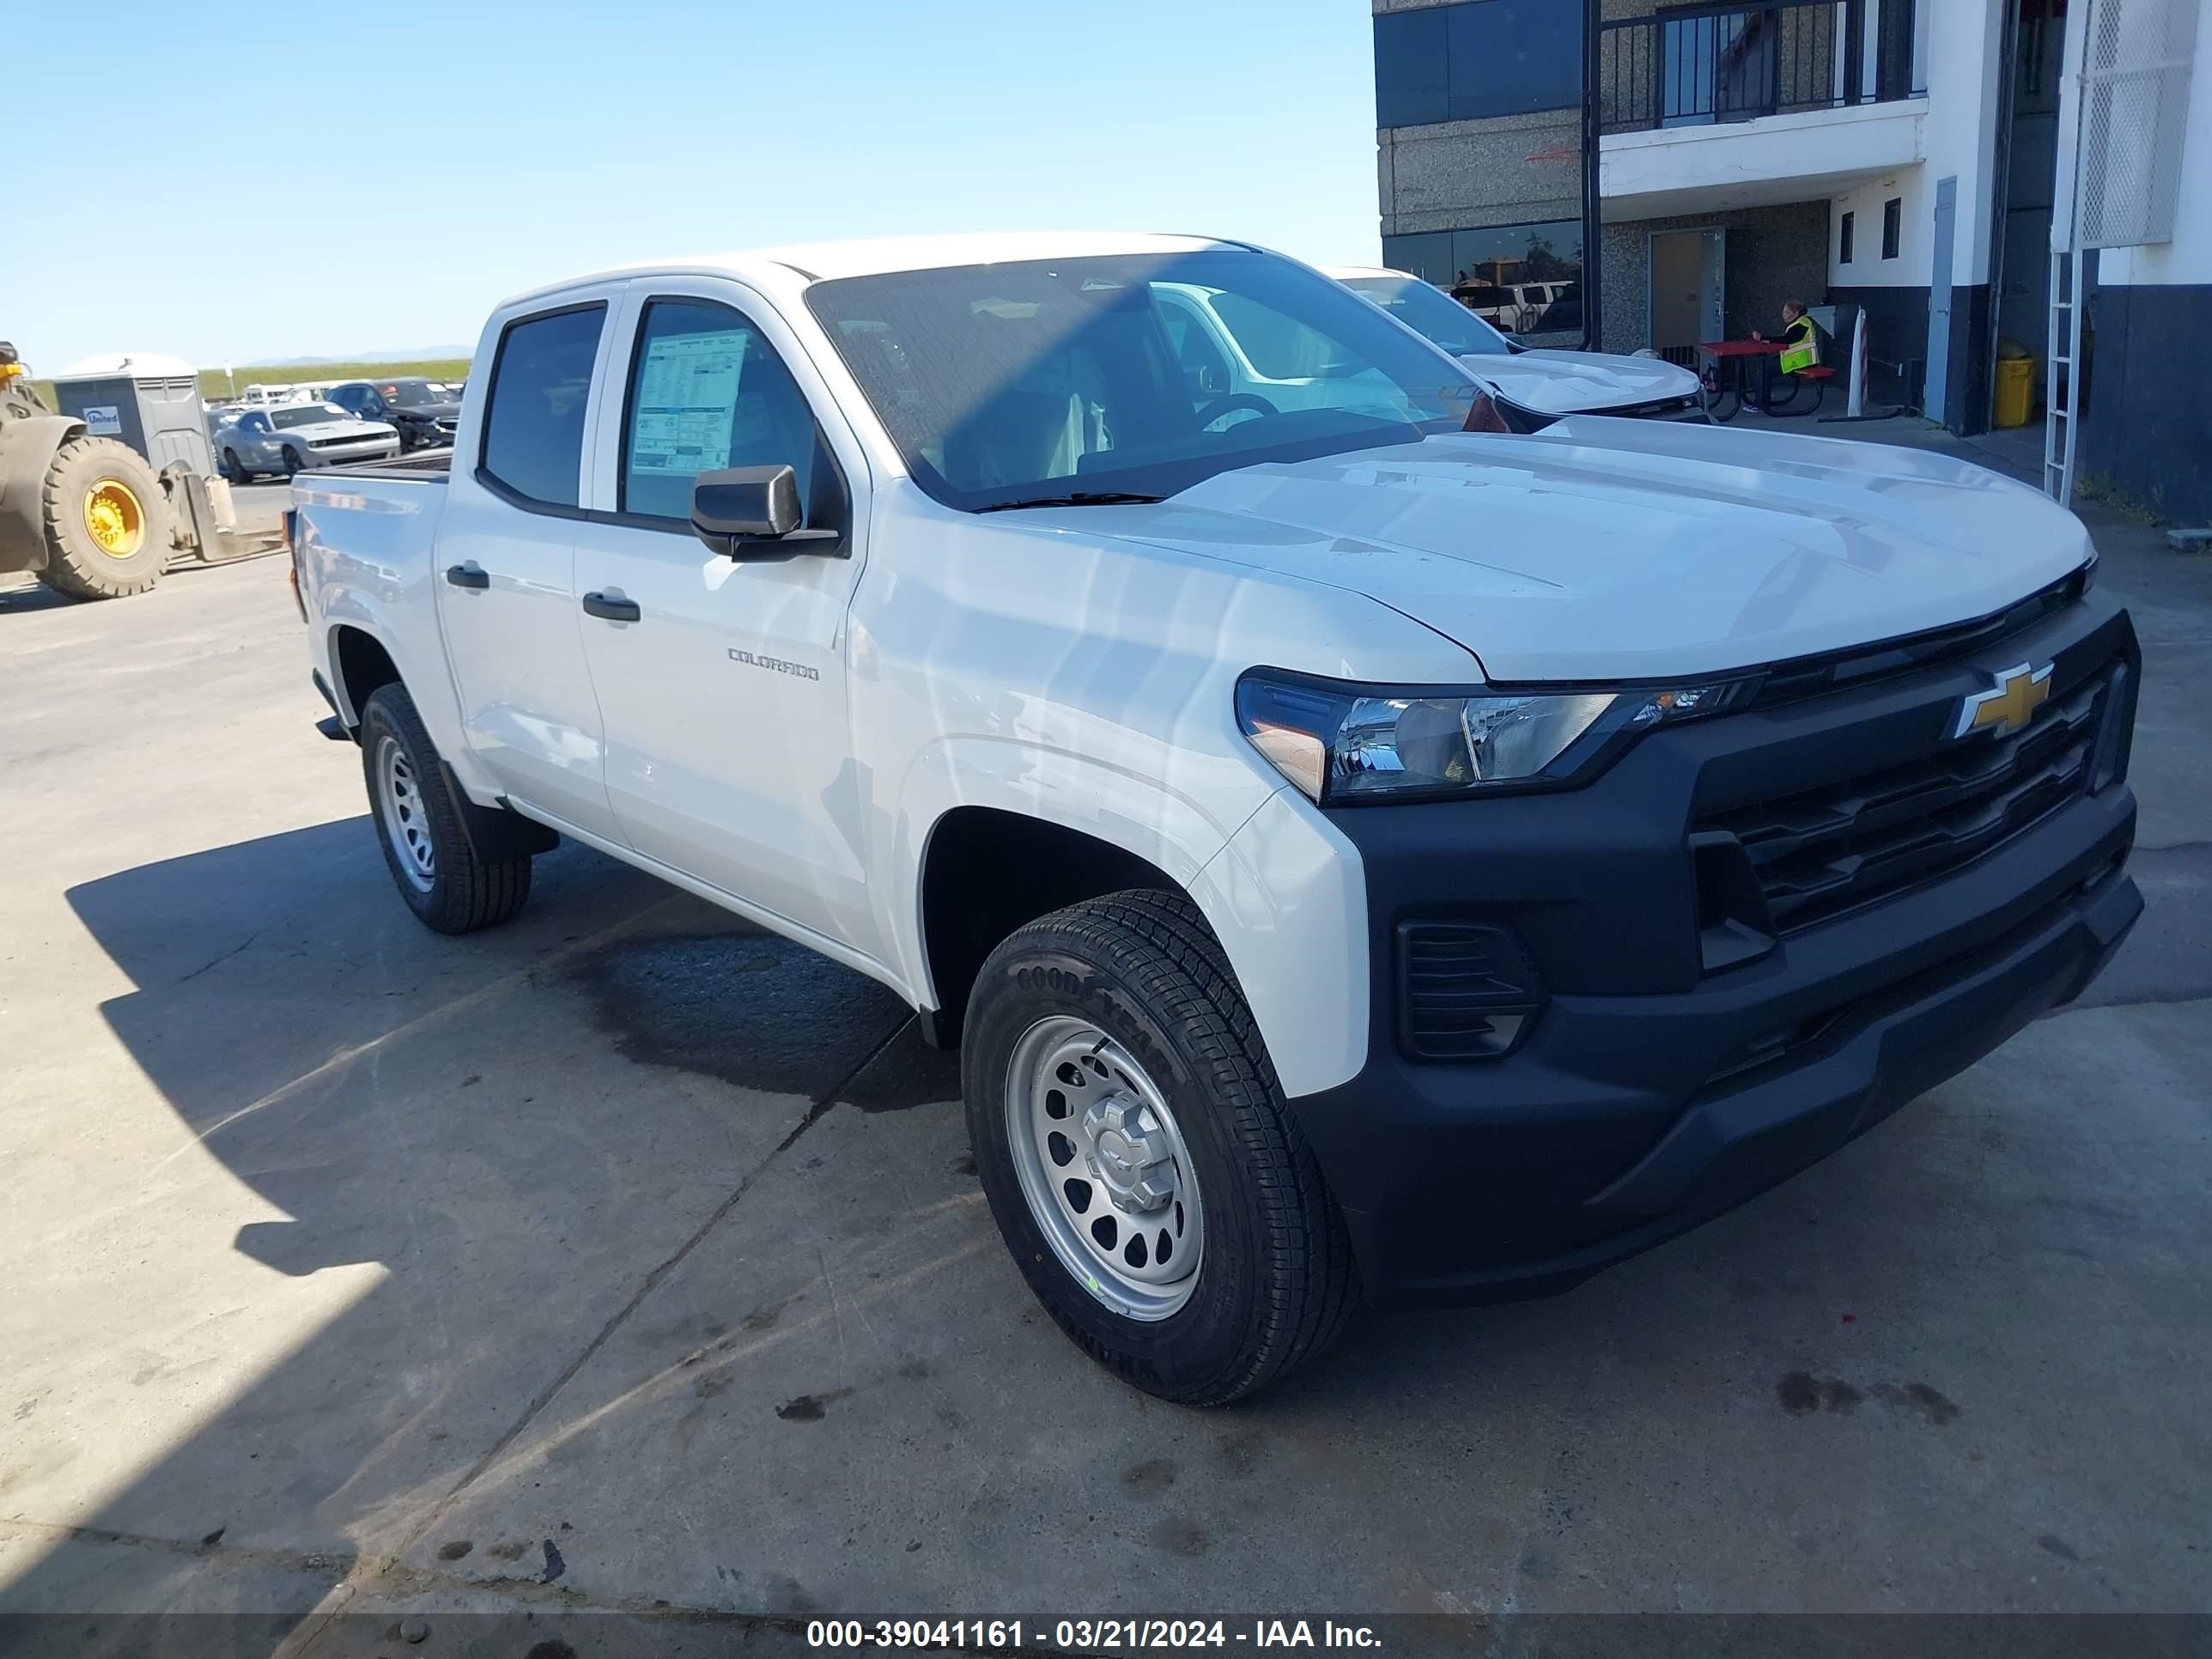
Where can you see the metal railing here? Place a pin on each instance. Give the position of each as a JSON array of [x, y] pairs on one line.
[[1701, 65]]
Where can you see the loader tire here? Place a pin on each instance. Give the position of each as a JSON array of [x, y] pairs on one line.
[[106, 521]]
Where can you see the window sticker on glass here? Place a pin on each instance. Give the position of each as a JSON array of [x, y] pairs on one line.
[[687, 390]]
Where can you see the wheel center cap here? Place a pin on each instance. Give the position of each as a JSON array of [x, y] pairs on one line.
[[1118, 1156]]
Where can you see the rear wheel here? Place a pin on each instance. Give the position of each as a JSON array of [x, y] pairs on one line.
[[418, 823], [233, 468], [106, 521], [1139, 1156]]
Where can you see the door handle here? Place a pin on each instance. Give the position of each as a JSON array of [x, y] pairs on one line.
[[598, 604], [465, 575]]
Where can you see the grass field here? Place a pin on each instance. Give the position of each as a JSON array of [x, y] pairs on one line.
[[214, 384]]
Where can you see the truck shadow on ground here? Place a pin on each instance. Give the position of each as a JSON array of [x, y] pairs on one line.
[[633, 1270]]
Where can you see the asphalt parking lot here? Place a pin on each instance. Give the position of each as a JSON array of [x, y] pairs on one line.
[[625, 1258]]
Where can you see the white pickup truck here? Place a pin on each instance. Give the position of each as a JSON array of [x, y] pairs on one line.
[[1358, 858]]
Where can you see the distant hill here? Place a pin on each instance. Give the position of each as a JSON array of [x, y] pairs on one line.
[[411, 354]]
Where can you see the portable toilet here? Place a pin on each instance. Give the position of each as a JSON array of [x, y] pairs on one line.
[[148, 401]]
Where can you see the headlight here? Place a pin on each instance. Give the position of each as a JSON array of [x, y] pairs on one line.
[[1342, 743]]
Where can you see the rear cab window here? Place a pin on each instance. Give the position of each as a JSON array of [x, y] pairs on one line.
[[540, 404]]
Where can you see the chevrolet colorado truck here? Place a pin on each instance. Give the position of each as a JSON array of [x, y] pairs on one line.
[[1358, 858]]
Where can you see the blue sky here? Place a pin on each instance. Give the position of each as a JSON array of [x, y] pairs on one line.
[[374, 176]]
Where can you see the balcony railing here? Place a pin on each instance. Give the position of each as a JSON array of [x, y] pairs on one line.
[[1701, 65]]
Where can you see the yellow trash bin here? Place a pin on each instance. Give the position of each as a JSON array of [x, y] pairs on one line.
[[2015, 390]]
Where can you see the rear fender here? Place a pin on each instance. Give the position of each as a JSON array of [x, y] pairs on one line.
[[27, 448]]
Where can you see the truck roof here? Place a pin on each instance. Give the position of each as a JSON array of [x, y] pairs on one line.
[[824, 261]]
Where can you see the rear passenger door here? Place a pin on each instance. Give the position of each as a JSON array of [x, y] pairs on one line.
[[729, 754], [506, 560]]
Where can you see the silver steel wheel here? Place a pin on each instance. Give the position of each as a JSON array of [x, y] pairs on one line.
[[406, 820], [1102, 1163]]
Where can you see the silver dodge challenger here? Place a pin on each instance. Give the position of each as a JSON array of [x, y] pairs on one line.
[[289, 437]]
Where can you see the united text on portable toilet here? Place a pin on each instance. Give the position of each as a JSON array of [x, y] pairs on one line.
[[141, 399]]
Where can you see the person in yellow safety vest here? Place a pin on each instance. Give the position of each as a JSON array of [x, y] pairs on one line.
[[1801, 338]]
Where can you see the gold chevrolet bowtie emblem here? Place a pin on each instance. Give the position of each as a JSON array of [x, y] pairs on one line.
[[2006, 708]]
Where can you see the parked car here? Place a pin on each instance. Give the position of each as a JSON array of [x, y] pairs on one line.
[[1355, 855], [1512, 307], [1531, 388], [289, 438], [422, 413]]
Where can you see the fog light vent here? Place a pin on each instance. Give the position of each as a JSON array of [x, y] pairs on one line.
[[1466, 990]]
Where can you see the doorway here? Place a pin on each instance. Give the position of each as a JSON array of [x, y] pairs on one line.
[[1689, 292], [2027, 149]]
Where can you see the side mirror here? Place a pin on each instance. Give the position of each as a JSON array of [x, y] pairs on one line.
[[752, 512]]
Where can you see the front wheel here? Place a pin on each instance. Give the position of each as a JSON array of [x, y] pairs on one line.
[[418, 825], [294, 464], [1139, 1158], [106, 521]]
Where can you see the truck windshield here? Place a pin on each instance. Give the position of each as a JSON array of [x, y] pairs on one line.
[[1427, 311], [411, 394], [1132, 374]]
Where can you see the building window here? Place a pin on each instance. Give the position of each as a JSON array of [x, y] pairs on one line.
[[1523, 278], [1475, 58], [1844, 239], [1716, 66], [1893, 226]]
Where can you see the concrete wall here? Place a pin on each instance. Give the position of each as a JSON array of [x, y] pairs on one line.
[[1958, 139], [1461, 173], [1774, 253], [1962, 49], [2147, 421]]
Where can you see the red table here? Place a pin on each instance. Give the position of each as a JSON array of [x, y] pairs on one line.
[[1736, 352]]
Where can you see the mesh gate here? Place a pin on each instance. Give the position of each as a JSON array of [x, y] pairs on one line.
[[2135, 105]]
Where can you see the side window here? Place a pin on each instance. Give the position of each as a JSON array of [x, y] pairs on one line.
[[1205, 370], [707, 391], [541, 387], [256, 423], [1280, 347]]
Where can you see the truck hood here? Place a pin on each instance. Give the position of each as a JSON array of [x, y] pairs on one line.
[[1604, 550], [1580, 382]]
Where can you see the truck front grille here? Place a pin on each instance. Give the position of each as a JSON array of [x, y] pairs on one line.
[[1821, 852]]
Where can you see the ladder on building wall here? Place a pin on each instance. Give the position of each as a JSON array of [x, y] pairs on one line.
[[2063, 399]]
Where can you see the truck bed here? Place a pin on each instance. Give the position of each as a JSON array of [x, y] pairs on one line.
[[424, 465]]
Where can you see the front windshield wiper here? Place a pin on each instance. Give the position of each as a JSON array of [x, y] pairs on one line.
[[1079, 498]]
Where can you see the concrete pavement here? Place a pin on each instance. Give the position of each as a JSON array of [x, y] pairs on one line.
[[626, 1257]]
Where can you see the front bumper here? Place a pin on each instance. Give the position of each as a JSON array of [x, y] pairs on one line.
[[1653, 1093], [354, 455]]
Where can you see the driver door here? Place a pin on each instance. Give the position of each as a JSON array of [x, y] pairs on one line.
[[722, 682]]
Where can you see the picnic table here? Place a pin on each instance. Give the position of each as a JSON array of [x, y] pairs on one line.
[[1736, 355]]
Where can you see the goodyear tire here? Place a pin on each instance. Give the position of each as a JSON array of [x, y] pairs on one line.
[[106, 521], [418, 826], [1135, 1148]]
